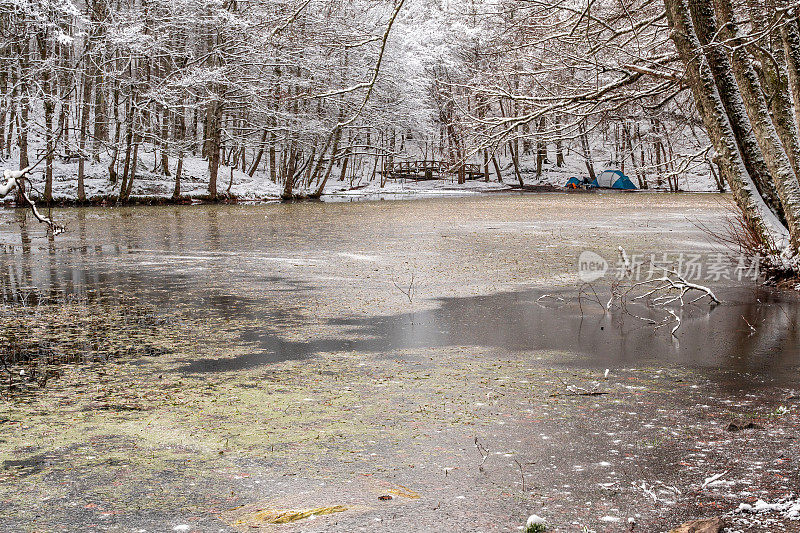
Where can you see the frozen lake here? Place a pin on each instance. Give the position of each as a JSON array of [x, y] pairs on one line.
[[322, 353], [306, 278]]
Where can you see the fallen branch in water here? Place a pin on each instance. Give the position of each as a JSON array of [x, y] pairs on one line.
[[408, 293], [660, 292], [669, 285], [483, 451]]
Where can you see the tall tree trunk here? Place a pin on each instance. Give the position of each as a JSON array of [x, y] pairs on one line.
[[214, 129], [126, 167], [165, 142], [513, 147], [587, 150], [749, 91], [541, 147], [180, 125], [49, 112], [23, 125], [82, 127], [626, 134], [345, 161], [134, 162], [759, 218], [559, 143], [774, 74], [112, 164], [259, 154], [790, 34], [497, 169], [337, 135]]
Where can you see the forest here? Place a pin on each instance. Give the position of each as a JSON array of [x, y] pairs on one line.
[[305, 93]]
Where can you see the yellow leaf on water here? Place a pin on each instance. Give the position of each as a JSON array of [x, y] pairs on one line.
[[404, 492], [284, 516]]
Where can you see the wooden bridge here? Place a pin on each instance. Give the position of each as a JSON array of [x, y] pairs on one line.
[[433, 170]]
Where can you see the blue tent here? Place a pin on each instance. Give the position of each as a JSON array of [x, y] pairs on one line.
[[612, 179], [574, 183]]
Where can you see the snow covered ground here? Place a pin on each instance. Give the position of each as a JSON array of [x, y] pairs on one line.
[[194, 181]]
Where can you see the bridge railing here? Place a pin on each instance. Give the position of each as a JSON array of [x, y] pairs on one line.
[[432, 169]]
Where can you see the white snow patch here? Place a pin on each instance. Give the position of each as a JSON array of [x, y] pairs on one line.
[[788, 508], [709, 480], [359, 257], [534, 520]]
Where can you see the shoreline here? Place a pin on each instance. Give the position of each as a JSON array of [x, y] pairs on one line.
[[356, 194]]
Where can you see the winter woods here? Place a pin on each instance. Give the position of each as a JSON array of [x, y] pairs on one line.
[[257, 86], [303, 93]]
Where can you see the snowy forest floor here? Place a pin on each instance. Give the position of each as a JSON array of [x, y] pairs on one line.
[[151, 185], [273, 357]]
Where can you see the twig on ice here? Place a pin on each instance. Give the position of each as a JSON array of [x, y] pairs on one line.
[[752, 329], [712, 479], [409, 292], [543, 296], [483, 451], [521, 473]]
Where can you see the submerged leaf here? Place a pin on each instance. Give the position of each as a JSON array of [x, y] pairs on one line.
[[284, 516]]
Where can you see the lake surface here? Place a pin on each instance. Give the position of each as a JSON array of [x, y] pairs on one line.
[[295, 280], [242, 358]]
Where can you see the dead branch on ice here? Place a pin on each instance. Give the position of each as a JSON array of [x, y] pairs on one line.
[[669, 287], [409, 292], [660, 292], [484, 451]]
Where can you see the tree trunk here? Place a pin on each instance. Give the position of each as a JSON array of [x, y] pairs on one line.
[[757, 215], [513, 147], [776, 159], [214, 129], [337, 135], [790, 33], [640, 177], [134, 163], [128, 146], [775, 75], [541, 147], [164, 142], [181, 135], [497, 169], [84, 124], [587, 151], [559, 143], [259, 154]]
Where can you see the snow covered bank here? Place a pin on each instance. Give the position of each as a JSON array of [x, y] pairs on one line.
[[152, 185]]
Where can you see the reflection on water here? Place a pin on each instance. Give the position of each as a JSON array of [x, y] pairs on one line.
[[223, 262], [716, 338]]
